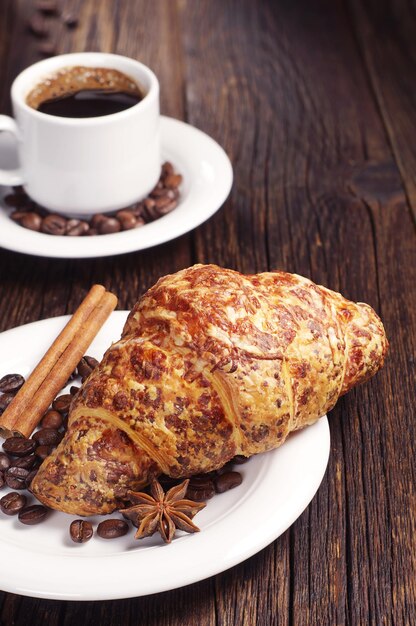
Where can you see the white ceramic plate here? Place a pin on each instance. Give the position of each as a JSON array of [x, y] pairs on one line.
[[42, 561], [207, 179]]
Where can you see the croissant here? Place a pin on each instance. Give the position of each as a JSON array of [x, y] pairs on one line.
[[211, 363]]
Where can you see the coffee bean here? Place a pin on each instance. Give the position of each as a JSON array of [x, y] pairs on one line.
[[108, 226], [156, 188], [62, 403], [200, 495], [126, 219], [53, 224], [212, 474], [200, 480], [15, 200], [5, 462], [167, 481], [16, 477], [172, 194], [137, 209], [227, 481], [32, 515], [12, 503], [47, 437], [48, 7], [91, 232], [150, 212], [43, 451], [162, 202], [16, 216], [159, 192], [27, 462], [112, 528], [71, 222], [140, 222], [228, 467], [31, 221], [71, 377], [40, 210], [168, 207], [74, 389], [167, 169], [80, 531], [51, 419], [19, 446], [11, 383], [200, 488], [239, 459], [173, 181], [31, 476], [2, 479], [86, 365], [97, 219], [38, 27], [76, 228], [70, 20], [5, 400]]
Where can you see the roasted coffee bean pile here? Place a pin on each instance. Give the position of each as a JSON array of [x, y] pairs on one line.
[[22, 457], [44, 21], [161, 200]]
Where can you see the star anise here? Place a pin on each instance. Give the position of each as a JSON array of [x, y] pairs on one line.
[[163, 512]]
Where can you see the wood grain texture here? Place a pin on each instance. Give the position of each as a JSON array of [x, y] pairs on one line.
[[385, 34], [314, 103]]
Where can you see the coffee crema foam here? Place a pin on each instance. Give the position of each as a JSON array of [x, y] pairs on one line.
[[70, 80]]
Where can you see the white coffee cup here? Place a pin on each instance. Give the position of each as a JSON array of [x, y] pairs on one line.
[[88, 165]]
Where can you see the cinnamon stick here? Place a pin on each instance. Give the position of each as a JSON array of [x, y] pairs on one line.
[[50, 375]]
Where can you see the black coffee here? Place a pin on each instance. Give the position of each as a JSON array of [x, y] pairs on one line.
[[89, 103], [82, 92]]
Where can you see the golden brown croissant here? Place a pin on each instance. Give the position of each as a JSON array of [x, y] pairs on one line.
[[211, 364]]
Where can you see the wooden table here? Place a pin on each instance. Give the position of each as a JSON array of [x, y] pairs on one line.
[[315, 104]]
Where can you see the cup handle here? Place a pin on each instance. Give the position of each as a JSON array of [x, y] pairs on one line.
[[10, 178]]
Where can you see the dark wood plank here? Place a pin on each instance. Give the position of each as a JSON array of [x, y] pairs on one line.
[[385, 33], [186, 606], [6, 22], [14, 18], [222, 99]]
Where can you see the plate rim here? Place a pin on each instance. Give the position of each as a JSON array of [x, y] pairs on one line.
[[124, 242], [321, 431]]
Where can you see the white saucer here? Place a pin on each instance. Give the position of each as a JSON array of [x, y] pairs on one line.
[[207, 179]]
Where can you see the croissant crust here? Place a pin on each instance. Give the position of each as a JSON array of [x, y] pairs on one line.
[[211, 363]]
